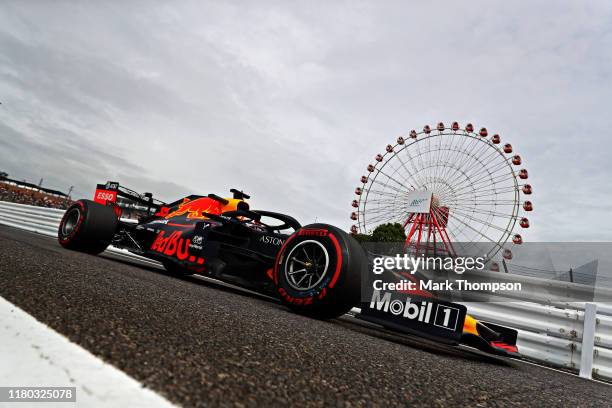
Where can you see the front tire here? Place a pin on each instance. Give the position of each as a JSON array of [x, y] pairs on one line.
[[318, 271], [87, 226]]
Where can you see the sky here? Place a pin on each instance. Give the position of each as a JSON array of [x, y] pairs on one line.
[[290, 101]]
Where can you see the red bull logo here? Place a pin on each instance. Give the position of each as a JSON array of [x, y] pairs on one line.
[[175, 245], [171, 245], [196, 209]]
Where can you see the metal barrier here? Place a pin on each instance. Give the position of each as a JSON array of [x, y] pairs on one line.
[[30, 218], [550, 332]]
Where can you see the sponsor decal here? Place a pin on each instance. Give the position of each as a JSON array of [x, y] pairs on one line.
[[195, 208], [313, 232], [266, 239], [159, 222], [196, 242], [102, 196], [112, 185], [172, 245], [439, 315], [300, 301]]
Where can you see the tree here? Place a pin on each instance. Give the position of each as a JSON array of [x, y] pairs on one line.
[[362, 237], [390, 232], [3, 175]]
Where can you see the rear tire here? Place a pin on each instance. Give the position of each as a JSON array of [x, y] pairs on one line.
[[318, 271], [88, 227]]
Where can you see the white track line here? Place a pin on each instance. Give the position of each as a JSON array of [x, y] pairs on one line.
[[32, 354]]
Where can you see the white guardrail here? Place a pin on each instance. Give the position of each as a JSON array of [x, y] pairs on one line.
[[550, 332]]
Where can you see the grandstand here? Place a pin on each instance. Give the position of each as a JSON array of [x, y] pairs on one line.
[[22, 192]]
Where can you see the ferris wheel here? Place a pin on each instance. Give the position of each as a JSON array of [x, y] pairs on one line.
[[450, 188]]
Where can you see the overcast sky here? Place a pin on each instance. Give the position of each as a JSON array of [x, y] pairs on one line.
[[291, 100]]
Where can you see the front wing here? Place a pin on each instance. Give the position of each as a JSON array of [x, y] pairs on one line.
[[437, 320]]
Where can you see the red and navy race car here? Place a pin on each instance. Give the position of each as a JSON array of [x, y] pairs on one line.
[[315, 270]]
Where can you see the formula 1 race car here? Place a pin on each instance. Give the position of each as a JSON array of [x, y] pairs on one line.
[[315, 269]]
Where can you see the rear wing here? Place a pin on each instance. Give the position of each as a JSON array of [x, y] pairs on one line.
[[123, 197]]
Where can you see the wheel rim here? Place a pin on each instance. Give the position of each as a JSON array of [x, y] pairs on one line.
[[71, 221], [307, 265]]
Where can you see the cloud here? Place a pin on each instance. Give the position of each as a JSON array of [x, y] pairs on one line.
[[291, 101]]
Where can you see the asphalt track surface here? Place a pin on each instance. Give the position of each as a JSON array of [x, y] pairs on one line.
[[201, 344]]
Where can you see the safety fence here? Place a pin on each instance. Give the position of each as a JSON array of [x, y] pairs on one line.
[[573, 335]]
